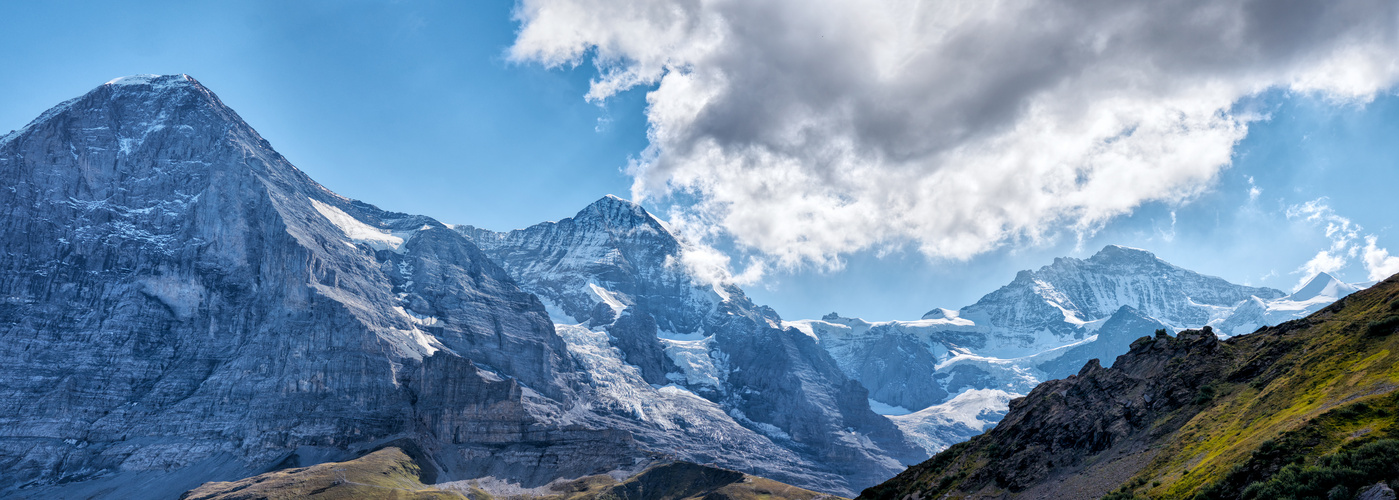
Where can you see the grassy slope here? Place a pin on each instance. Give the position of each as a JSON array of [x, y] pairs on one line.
[[387, 473], [675, 481], [1318, 389], [390, 473], [1288, 394]]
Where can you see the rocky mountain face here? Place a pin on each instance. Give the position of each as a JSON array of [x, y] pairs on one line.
[[1301, 410], [1071, 292], [1113, 338], [178, 304], [1045, 324], [614, 272]]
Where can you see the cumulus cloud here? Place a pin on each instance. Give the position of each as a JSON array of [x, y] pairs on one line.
[[1345, 236], [1378, 262], [807, 129]]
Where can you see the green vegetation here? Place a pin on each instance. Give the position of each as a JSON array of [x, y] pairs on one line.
[[388, 473], [1305, 410], [678, 481], [1338, 475], [1383, 327], [1355, 424]]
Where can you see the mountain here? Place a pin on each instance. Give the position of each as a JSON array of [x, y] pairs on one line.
[[179, 304], [1256, 312], [1304, 409], [784, 409], [1113, 338], [1045, 324], [1053, 305]]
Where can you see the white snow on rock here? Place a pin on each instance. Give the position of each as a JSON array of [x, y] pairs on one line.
[[967, 414], [1254, 313], [888, 409], [697, 359], [378, 239]]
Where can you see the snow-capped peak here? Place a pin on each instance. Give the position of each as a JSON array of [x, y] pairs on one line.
[[1119, 253], [1323, 285], [157, 81], [941, 313]]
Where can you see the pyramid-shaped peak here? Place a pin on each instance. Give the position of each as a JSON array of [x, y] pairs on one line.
[[615, 210], [1119, 253], [1323, 285], [612, 200], [941, 313]]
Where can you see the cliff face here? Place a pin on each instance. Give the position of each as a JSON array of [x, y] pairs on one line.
[[1192, 415], [180, 304], [787, 411]]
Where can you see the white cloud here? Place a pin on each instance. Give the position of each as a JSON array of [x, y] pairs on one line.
[[1378, 262], [709, 266], [806, 129], [1324, 262], [1345, 236]]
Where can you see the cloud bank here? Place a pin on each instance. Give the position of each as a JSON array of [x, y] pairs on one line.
[[808, 129]]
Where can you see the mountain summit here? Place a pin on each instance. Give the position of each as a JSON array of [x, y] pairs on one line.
[[615, 273], [181, 305], [1072, 291]]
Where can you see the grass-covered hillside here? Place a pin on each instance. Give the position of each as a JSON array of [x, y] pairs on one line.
[[391, 473], [1307, 409]]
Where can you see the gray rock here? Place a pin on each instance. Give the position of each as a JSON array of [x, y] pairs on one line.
[[1378, 491], [1115, 337], [1096, 287], [180, 304], [615, 268]]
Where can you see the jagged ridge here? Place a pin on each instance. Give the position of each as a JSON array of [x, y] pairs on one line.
[[1191, 415], [181, 304]]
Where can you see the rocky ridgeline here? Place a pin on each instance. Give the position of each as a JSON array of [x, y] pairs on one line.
[[178, 304], [1304, 409], [614, 268], [1063, 423], [1043, 325], [181, 304]]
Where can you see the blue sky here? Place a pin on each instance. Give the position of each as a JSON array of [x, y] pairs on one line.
[[417, 106]]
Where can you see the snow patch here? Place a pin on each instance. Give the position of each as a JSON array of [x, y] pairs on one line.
[[694, 358], [888, 409], [556, 314], [182, 296], [686, 337], [607, 297], [970, 413], [378, 239]]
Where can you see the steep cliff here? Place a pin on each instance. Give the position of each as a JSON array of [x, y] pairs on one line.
[[178, 303]]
